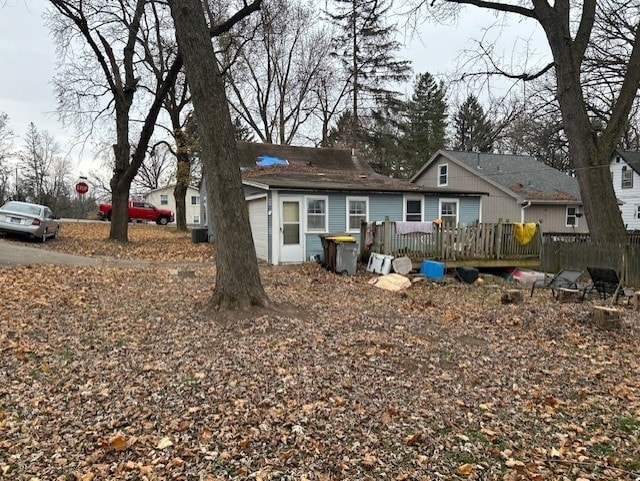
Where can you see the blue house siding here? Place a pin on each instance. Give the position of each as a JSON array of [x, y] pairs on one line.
[[385, 205], [431, 206], [381, 206], [314, 245], [337, 213], [468, 209]]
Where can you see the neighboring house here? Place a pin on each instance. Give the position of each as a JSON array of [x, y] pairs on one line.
[[520, 188], [311, 191], [625, 172], [163, 197]]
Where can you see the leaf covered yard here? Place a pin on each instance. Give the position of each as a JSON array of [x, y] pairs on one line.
[[117, 373]]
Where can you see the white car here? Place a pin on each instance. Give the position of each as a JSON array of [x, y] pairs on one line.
[[32, 220]]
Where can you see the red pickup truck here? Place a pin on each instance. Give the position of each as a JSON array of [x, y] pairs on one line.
[[139, 210]]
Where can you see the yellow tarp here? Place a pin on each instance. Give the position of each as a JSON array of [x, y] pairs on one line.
[[524, 232]]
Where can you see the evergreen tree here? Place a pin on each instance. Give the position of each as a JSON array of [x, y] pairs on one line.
[[427, 117], [384, 142], [365, 44], [341, 134], [473, 130]]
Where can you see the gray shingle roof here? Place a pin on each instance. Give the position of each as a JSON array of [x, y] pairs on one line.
[[631, 157], [521, 174], [322, 158], [314, 179], [321, 169]]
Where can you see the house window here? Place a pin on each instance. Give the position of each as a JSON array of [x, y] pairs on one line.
[[316, 214], [357, 212], [638, 212], [413, 209], [164, 199], [195, 200], [572, 217], [449, 212], [627, 178], [443, 175], [196, 219]]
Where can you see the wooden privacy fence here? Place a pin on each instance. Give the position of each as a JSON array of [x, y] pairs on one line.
[[562, 251], [481, 245]]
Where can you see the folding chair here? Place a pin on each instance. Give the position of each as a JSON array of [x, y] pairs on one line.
[[564, 279], [606, 283]]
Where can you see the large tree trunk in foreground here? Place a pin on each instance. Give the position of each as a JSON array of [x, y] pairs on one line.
[[590, 150], [238, 282]]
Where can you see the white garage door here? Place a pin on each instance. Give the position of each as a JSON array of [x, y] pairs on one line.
[[258, 219]]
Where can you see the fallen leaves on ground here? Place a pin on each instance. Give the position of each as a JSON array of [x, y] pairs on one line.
[[112, 373], [147, 241]]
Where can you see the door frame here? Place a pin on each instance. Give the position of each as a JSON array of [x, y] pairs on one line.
[[277, 229]]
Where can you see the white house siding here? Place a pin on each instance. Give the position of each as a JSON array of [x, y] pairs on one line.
[[193, 211], [630, 198], [259, 228]]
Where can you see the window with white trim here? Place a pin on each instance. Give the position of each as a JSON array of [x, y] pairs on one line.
[[196, 219], [638, 212], [164, 199], [627, 177], [316, 214], [195, 200], [413, 208], [443, 175], [357, 212], [449, 212], [572, 217]]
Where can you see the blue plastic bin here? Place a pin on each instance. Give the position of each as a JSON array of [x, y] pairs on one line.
[[432, 270]]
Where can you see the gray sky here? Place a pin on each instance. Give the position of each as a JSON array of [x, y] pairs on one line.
[[27, 62]]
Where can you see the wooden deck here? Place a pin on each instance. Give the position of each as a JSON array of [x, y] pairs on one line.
[[479, 245]]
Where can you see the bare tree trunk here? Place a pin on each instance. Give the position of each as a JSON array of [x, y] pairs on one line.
[[119, 210], [179, 194], [183, 175], [590, 150], [120, 186], [238, 283]]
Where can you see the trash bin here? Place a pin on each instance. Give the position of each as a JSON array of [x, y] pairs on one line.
[[346, 258], [340, 253]]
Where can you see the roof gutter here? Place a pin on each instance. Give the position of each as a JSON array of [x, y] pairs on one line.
[[524, 206]]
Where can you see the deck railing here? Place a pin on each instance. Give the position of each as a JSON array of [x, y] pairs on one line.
[[479, 244]]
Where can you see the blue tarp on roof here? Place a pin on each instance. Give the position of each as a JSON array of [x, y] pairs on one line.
[[266, 161]]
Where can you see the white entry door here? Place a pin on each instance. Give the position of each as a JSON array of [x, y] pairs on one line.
[[291, 248]]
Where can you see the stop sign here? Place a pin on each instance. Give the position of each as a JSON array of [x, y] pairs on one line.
[[82, 187]]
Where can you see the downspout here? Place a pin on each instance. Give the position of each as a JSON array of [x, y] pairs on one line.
[[524, 205]]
